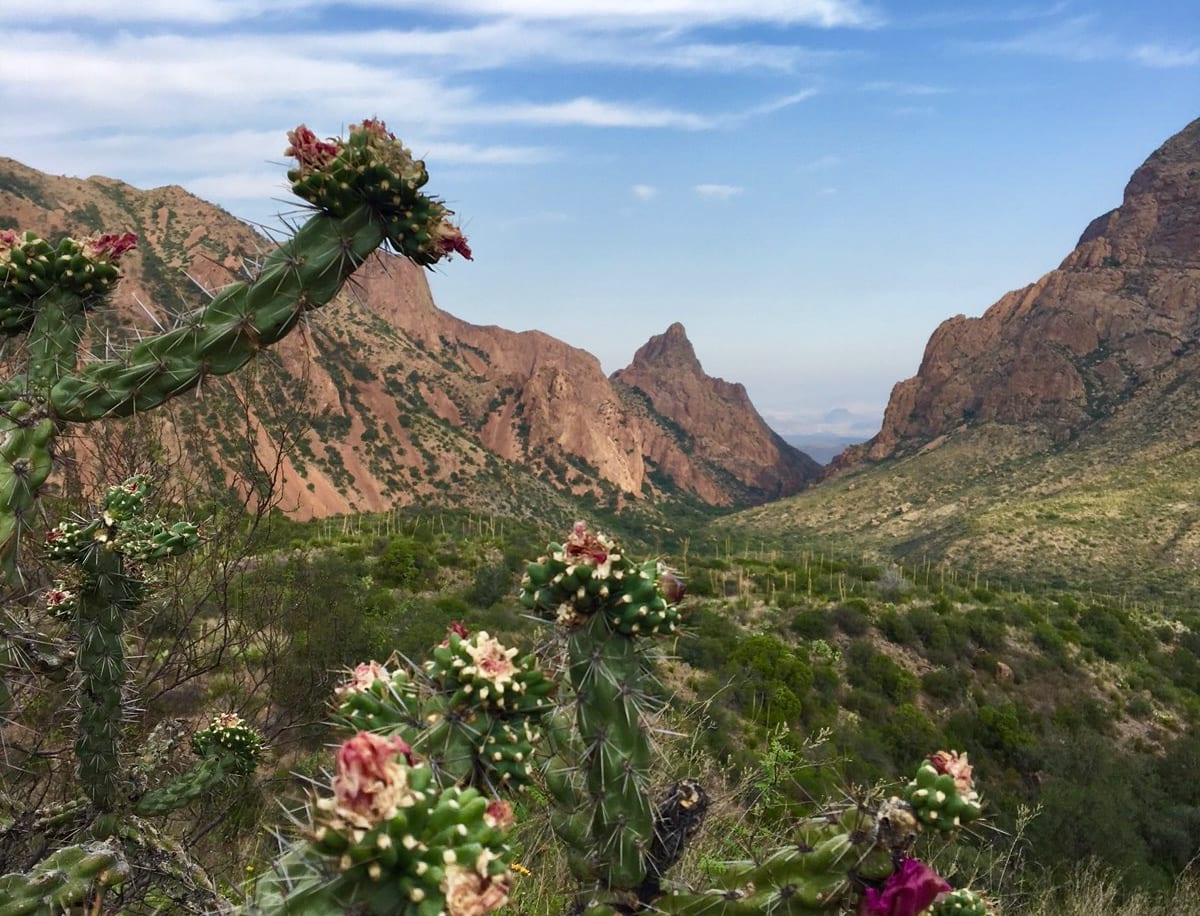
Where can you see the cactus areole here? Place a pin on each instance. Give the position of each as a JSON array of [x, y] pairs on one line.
[[365, 191]]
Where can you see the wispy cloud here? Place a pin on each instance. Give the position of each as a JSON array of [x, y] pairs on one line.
[[718, 191], [820, 13], [644, 191], [1083, 40], [898, 88], [821, 163]]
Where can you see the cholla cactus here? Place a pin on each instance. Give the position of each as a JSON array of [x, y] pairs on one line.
[[66, 877], [366, 191], [226, 749], [390, 840], [474, 710], [943, 793]]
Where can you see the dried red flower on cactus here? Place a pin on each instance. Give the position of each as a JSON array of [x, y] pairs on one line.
[[371, 783], [109, 247], [309, 150]]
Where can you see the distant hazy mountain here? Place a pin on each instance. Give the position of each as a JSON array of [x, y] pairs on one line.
[[822, 448]]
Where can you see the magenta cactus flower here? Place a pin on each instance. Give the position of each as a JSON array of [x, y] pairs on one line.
[[909, 890]]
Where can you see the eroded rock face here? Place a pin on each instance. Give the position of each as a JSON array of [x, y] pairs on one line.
[[717, 422], [407, 401], [1066, 350]]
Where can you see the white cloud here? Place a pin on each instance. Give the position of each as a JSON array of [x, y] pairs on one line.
[[1078, 39], [900, 88], [1153, 55], [644, 191], [821, 163], [585, 112], [679, 13], [718, 191]]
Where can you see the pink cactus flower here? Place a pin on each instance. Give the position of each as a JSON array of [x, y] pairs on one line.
[[109, 247], [309, 150], [57, 597], [492, 661], [469, 893], [371, 782], [499, 814], [362, 678], [957, 766], [227, 720], [909, 891], [8, 239]]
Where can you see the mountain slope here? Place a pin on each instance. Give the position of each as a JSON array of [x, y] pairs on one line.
[[406, 402], [1055, 439]]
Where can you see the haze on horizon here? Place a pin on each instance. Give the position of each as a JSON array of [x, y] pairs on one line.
[[809, 186]]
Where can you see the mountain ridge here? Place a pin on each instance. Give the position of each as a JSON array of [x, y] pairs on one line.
[[407, 402]]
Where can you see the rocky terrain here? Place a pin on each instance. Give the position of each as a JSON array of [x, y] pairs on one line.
[[392, 400], [1082, 341]]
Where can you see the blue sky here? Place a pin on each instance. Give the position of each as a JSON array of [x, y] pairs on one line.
[[810, 186]]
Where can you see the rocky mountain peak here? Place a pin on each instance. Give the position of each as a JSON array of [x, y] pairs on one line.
[[670, 350], [1067, 351], [406, 402]]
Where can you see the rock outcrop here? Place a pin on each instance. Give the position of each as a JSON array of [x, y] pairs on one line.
[[1071, 348], [405, 401], [727, 443]]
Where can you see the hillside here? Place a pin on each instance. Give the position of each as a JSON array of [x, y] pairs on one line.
[[1054, 438], [404, 402]]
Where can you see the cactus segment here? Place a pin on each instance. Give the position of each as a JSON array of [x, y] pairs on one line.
[[962, 902], [391, 841], [473, 710], [943, 794], [68, 876], [604, 601], [227, 748]]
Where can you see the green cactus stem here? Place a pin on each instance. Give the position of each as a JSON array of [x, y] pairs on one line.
[[103, 550], [71, 875], [227, 749], [366, 191], [473, 711], [601, 778]]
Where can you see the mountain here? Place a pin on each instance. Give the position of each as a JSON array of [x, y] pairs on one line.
[[1083, 341], [1056, 438], [402, 401]]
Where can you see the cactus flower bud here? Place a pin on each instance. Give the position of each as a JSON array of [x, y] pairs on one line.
[[499, 814]]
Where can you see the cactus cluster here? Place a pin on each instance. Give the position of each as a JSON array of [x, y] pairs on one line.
[[600, 773], [67, 876], [474, 709], [367, 192], [391, 840], [942, 794], [227, 748]]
